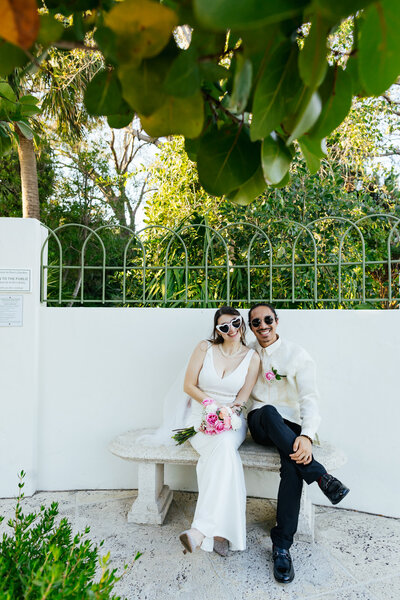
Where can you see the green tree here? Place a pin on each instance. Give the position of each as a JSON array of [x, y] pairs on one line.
[[10, 182], [333, 194], [241, 81]]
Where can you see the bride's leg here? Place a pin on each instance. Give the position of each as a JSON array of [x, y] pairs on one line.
[[221, 505]]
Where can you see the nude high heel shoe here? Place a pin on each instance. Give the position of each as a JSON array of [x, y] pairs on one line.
[[191, 539], [221, 547]]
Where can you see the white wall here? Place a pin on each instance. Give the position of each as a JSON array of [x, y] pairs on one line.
[[84, 375]]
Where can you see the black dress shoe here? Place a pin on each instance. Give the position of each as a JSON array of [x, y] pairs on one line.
[[333, 489], [283, 566]]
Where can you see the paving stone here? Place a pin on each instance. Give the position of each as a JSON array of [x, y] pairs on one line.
[[356, 556], [387, 589]]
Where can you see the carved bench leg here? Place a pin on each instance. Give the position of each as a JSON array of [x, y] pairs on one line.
[[305, 529], [154, 498]]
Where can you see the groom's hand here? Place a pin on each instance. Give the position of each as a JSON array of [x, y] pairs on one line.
[[302, 451]]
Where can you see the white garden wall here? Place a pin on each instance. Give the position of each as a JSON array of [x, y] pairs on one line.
[[73, 378]]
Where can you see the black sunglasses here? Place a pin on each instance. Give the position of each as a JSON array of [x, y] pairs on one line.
[[257, 322]]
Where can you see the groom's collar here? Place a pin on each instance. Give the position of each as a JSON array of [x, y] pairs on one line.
[[272, 347]]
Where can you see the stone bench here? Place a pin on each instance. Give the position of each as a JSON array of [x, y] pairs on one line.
[[154, 497]]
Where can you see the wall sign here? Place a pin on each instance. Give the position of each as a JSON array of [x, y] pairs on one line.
[[15, 280], [11, 311]]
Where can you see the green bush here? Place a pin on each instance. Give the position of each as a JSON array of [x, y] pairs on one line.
[[42, 560]]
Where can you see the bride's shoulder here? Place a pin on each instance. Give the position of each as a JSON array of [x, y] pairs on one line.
[[203, 345], [254, 358]]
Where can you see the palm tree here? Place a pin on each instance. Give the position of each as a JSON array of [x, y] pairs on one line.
[[51, 84]]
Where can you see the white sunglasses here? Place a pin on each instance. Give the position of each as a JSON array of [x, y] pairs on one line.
[[236, 323]]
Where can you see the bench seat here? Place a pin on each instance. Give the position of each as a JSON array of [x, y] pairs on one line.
[[154, 497]]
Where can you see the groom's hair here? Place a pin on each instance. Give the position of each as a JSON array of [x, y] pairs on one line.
[[262, 304]]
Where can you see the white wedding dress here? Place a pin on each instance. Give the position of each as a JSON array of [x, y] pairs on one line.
[[221, 504]]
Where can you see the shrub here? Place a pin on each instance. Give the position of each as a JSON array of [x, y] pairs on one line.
[[42, 560]]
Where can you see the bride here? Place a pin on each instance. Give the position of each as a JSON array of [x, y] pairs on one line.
[[225, 370]]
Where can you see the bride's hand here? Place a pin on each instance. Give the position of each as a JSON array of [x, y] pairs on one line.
[[236, 406]]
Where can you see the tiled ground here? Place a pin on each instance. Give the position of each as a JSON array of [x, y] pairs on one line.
[[356, 556]]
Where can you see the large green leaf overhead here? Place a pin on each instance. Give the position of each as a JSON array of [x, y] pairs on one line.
[[278, 81], [182, 116], [379, 59], [142, 27], [220, 15], [226, 159], [275, 158], [245, 81]]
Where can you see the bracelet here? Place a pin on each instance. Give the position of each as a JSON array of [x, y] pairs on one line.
[[306, 436]]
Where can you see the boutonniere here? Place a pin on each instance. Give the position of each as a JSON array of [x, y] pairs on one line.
[[272, 375]]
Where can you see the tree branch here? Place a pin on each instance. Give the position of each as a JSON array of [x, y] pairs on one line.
[[391, 102], [71, 45], [218, 104], [144, 137]]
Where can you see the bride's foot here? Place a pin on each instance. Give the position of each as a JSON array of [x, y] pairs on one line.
[[191, 539], [221, 546]]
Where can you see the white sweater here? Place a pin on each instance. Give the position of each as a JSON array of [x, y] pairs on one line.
[[294, 396]]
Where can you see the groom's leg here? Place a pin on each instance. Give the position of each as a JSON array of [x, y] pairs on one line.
[[288, 504], [267, 426]]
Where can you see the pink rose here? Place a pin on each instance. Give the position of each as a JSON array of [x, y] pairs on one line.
[[270, 376], [211, 419], [219, 426], [208, 431], [207, 401], [227, 423], [224, 412]]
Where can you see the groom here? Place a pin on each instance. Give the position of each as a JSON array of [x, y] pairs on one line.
[[285, 415]]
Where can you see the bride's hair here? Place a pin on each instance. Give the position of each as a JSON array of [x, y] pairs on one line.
[[216, 337]]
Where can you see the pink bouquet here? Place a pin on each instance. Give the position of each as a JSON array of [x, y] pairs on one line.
[[214, 420]]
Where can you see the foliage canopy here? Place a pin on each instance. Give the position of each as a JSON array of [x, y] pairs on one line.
[[241, 81]]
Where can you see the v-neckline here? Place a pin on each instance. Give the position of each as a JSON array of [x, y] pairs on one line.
[[229, 374]]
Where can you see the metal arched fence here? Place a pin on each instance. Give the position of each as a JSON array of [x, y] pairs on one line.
[[331, 262]]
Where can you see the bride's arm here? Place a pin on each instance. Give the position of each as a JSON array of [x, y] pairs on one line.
[[249, 383], [190, 386]]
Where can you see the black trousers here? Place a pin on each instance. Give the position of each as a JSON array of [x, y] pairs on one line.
[[268, 428]]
